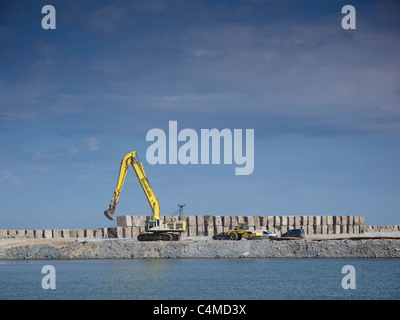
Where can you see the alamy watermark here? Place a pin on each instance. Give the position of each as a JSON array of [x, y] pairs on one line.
[[349, 280], [49, 20], [49, 280], [193, 151]]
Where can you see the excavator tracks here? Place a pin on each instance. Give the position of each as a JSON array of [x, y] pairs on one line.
[[158, 237]]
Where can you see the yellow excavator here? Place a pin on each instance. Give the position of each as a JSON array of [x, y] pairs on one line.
[[155, 229]]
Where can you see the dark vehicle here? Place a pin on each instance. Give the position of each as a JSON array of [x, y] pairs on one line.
[[294, 233], [220, 236]]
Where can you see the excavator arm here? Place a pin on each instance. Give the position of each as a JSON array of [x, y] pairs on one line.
[[131, 159]]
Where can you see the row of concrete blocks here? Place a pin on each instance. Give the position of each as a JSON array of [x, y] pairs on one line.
[[390, 228], [102, 233], [58, 233], [208, 225]]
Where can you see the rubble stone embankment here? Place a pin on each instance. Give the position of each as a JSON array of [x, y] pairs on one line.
[[198, 249]]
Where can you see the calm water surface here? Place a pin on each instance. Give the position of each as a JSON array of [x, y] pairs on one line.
[[201, 279]]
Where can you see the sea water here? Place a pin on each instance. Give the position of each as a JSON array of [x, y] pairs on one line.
[[201, 279]]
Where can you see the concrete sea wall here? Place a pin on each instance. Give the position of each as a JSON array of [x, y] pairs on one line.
[[208, 225], [129, 226]]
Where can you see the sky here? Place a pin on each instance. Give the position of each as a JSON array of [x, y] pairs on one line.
[[323, 101]]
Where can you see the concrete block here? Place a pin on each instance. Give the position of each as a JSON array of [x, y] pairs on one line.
[[234, 221], [310, 229], [38, 234], [330, 229], [81, 233], [127, 232], [114, 232], [218, 229], [277, 222], [304, 220], [284, 221], [200, 230], [310, 220], [323, 220], [324, 229], [124, 221], [350, 228], [284, 229], [192, 230], [257, 224], [297, 221], [29, 234], [65, 233], [336, 220], [343, 228], [317, 220], [98, 233], [200, 221], [218, 221], [329, 220], [135, 232], [240, 219], [47, 234], [270, 222], [343, 220], [209, 225], [3, 232], [20, 233], [139, 221], [336, 228], [208, 220], [356, 220], [12, 233], [89, 233], [250, 221], [74, 233], [350, 220], [191, 221], [56, 233], [226, 221], [135, 221]]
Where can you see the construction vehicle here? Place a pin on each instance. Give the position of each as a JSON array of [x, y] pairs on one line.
[[155, 229], [242, 231], [238, 232]]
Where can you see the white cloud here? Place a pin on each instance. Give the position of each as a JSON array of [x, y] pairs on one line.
[[9, 178], [91, 143], [73, 151]]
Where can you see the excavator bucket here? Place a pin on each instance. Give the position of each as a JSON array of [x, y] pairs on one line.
[[109, 214]]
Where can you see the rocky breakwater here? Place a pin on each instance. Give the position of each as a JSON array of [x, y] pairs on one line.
[[199, 249]]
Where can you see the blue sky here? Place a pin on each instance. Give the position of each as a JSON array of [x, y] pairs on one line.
[[324, 103]]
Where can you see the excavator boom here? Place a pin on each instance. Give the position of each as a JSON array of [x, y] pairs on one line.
[[131, 159]]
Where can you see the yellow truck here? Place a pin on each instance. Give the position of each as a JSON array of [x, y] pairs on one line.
[[238, 232]]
